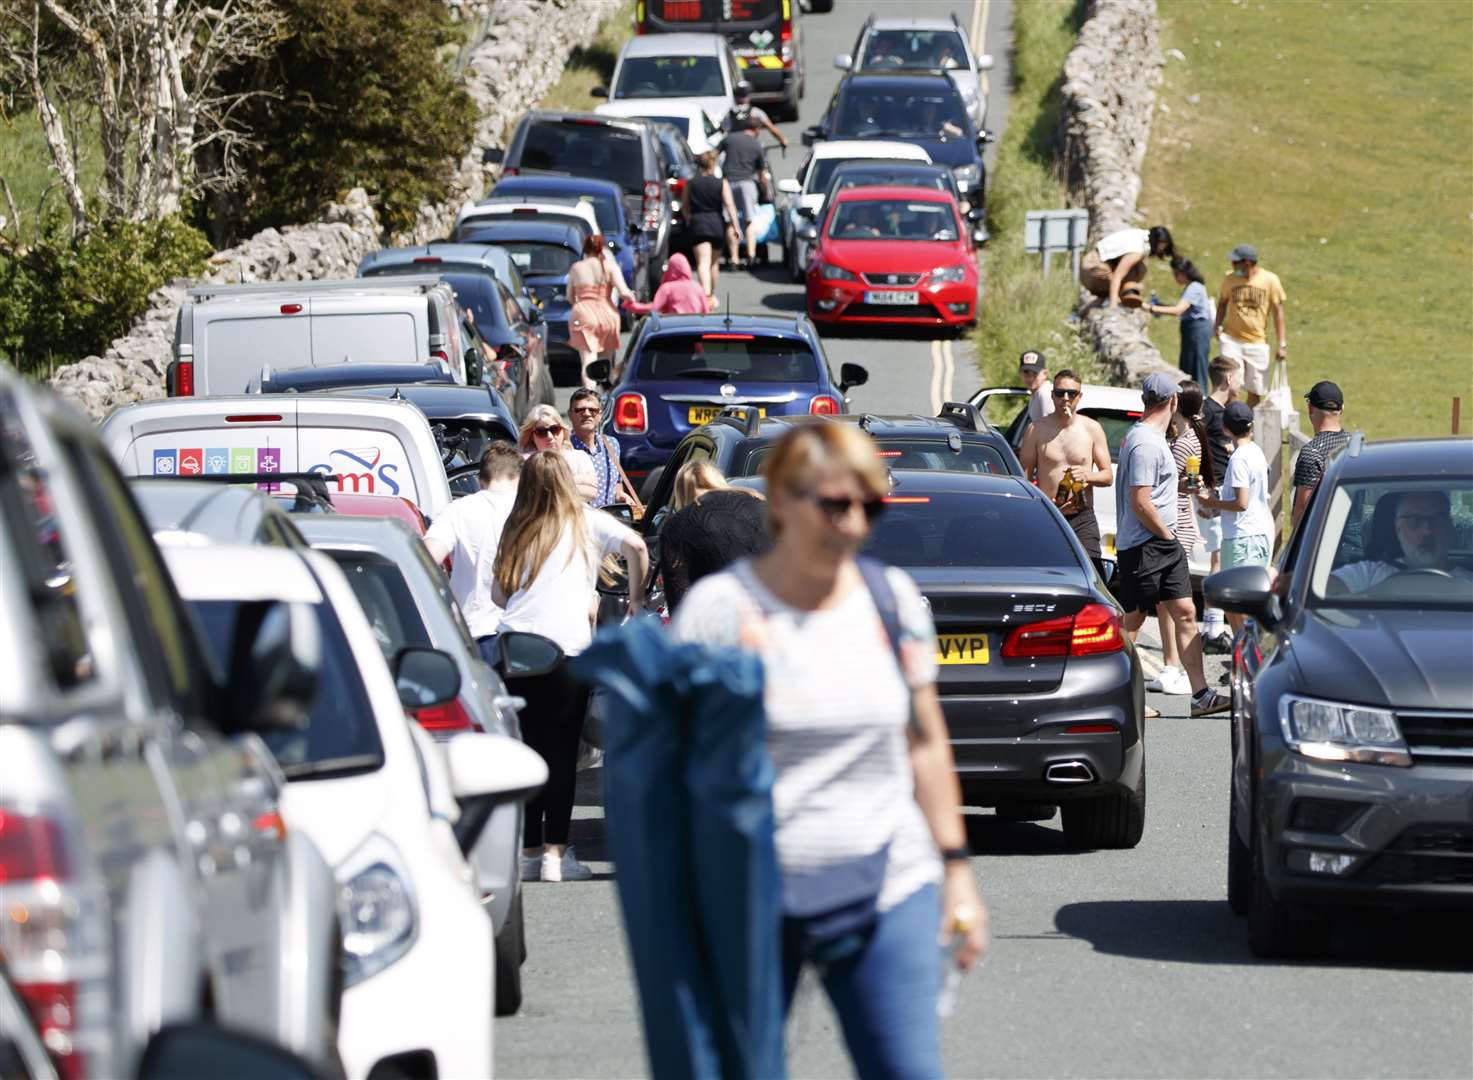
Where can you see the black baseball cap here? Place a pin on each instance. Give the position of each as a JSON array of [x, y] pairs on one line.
[[1237, 418], [1326, 396], [1032, 360]]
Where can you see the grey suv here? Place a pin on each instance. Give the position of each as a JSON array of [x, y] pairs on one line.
[[144, 868]]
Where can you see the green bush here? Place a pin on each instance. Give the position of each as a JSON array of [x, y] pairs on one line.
[[358, 95], [68, 297]]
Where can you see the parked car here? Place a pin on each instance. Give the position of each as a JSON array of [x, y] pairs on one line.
[[680, 371], [463, 419], [924, 109], [691, 121], [912, 43], [145, 875], [447, 259], [224, 333], [380, 799], [372, 447], [801, 200], [1352, 720], [564, 211], [893, 255], [681, 68], [625, 151], [765, 36], [192, 512], [408, 602]]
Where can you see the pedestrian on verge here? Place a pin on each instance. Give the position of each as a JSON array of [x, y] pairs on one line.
[[742, 97], [1244, 300], [543, 429], [703, 201], [1033, 373], [593, 326], [1120, 259], [1227, 379], [866, 796], [584, 411], [1247, 522], [1194, 315], [1194, 473], [743, 164], [1325, 405], [468, 532], [545, 574], [679, 293], [1153, 566], [1068, 456]]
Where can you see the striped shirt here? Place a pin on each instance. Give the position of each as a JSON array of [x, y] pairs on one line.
[[837, 712], [1184, 446]]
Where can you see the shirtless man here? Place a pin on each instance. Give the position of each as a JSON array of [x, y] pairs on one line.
[[1064, 442]]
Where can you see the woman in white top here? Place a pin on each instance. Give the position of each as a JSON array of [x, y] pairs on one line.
[[866, 797], [543, 429], [1120, 257], [546, 571]]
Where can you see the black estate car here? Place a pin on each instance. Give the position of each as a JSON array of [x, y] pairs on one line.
[[1352, 721]]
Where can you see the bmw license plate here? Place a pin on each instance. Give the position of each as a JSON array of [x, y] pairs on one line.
[[704, 414], [892, 296], [961, 649]]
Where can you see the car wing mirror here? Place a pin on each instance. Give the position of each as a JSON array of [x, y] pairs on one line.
[[599, 92], [852, 375], [1245, 590], [276, 656], [425, 677], [520, 655], [789, 186], [599, 371], [199, 1049], [487, 771], [843, 61], [813, 135], [985, 62], [493, 155]]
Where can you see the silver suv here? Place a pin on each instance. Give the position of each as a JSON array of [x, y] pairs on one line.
[[146, 876]]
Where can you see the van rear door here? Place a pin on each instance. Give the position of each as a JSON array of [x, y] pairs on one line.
[[369, 330], [210, 441], [373, 448], [234, 340]]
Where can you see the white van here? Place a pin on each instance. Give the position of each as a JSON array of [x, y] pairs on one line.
[[373, 447], [225, 334]]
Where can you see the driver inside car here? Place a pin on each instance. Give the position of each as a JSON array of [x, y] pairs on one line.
[[1424, 533]]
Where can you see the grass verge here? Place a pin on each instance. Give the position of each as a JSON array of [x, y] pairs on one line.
[[1337, 138], [592, 66], [25, 162], [1022, 308]]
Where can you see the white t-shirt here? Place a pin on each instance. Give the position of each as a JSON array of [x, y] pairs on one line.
[[1247, 468], [1123, 242], [556, 603], [1363, 576], [837, 709], [1041, 401], [470, 528]]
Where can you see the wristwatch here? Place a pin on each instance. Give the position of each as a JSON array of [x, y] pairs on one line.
[[955, 854]]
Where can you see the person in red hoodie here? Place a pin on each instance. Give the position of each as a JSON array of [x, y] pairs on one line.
[[679, 292]]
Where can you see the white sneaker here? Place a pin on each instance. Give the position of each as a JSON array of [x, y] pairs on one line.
[[1172, 680], [568, 868], [531, 867]]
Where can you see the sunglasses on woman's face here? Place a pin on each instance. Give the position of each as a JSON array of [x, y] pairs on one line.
[[1070, 394], [547, 432], [836, 508]]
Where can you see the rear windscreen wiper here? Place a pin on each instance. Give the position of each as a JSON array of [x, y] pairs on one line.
[[707, 373]]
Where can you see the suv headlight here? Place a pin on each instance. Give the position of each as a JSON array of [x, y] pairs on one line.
[[967, 175], [377, 910], [829, 272], [944, 274], [1329, 731]]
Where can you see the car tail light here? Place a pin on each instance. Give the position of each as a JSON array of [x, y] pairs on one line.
[[444, 719], [427, 259], [677, 185], [440, 355], [510, 170], [253, 418], [53, 939], [291, 309], [631, 417], [1094, 630], [786, 49], [824, 405], [184, 379]]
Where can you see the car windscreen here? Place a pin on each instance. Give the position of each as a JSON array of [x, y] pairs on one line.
[[897, 175], [1399, 543], [904, 50], [539, 260], [736, 357], [669, 77], [477, 292], [892, 219], [982, 529], [871, 112], [822, 172], [585, 148], [922, 455], [341, 735]]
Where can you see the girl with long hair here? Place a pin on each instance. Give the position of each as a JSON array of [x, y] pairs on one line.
[[545, 574], [593, 326], [1194, 311]]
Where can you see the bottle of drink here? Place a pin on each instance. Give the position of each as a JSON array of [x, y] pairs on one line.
[[1154, 301], [951, 977]]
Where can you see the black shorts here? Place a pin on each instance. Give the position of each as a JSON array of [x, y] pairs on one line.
[[1152, 572], [1087, 527]]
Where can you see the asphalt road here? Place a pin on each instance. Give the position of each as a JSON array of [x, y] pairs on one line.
[[1103, 963]]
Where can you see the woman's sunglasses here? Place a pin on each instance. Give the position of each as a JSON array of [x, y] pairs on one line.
[[835, 508], [547, 432]]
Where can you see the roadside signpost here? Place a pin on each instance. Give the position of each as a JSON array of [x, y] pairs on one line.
[[1048, 231]]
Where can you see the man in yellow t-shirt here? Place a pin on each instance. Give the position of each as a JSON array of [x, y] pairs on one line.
[[1244, 300]]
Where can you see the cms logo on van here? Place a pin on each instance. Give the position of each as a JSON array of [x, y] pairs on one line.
[[360, 471]]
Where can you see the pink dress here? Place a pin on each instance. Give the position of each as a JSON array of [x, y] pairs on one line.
[[594, 323]]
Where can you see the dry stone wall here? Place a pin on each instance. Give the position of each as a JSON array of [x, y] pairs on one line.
[[521, 57], [1110, 80]]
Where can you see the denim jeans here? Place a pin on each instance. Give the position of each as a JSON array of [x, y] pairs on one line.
[[885, 991]]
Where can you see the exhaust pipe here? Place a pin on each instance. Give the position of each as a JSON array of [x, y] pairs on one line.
[[1069, 772]]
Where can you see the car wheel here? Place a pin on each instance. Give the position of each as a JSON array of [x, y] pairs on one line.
[[1116, 820], [510, 952], [1240, 865], [795, 269], [1027, 811]]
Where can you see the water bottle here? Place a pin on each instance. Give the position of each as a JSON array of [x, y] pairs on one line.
[[1154, 301], [951, 977]]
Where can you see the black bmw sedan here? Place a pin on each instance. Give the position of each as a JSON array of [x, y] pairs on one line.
[[1041, 689], [1352, 721]]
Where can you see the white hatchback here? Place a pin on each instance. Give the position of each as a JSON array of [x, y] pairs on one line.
[[667, 69]]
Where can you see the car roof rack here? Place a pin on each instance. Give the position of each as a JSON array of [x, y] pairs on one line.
[[745, 418], [964, 415], [868, 420], [311, 488]]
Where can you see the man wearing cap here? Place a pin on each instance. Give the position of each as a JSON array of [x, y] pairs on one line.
[[1153, 565], [742, 96], [1247, 522], [1325, 404], [1244, 300], [1033, 371]]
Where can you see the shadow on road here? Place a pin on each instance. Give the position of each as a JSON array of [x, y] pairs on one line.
[[1206, 932], [988, 834], [785, 301]]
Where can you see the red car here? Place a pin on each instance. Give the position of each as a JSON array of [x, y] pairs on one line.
[[893, 255]]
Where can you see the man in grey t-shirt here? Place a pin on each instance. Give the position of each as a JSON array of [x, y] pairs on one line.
[[1152, 576], [743, 164]]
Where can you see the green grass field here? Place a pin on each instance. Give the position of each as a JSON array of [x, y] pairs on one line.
[[593, 66], [1337, 138], [25, 162]]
